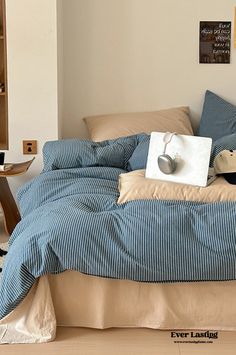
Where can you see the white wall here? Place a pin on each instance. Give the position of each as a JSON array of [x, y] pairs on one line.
[[73, 58], [60, 71], [32, 79], [134, 55]]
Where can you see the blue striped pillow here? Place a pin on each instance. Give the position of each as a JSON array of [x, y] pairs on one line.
[[218, 117], [76, 153], [228, 142], [139, 157]]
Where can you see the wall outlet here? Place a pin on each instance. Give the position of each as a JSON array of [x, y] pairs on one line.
[[30, 147]]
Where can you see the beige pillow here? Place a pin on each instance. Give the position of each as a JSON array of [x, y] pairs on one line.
[[134, 186], [120, 125]]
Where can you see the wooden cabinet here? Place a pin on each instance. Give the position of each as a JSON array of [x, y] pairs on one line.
[[3, 79]]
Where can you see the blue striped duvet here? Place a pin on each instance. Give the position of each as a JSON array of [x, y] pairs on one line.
[[71, 221]]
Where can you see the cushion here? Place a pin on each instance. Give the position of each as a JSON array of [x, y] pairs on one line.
[[138, 159], [224, 143], [218, 117], [77, 153], [125, 124], [134, 186]]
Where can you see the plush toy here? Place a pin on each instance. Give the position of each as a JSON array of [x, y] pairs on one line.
[[2, 252], [225, 164]]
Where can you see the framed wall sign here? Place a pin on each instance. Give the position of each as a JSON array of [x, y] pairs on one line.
[[235, 27], [214, 42]]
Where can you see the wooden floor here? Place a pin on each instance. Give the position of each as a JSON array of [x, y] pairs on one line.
[[82, 341]]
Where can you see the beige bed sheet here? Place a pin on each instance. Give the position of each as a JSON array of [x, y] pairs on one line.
[[74, 299], [134, 186]]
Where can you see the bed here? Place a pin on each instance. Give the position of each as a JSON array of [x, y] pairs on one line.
[[81, 257]]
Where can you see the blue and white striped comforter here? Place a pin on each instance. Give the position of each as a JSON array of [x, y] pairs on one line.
[[71, 221]]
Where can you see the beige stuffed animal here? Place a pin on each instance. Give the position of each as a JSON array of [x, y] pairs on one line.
[[225, 162]]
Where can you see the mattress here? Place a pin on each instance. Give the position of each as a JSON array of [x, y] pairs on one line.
[[74, 299]]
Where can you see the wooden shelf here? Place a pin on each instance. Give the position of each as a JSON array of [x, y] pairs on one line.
[[17, 168], [3, 79], [10, 211], [3, 145]]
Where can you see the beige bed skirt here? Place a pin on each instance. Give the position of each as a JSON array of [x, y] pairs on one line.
[[74, 299]]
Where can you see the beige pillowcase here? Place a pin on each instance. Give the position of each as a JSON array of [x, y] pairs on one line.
[[120, 125], [134, 186]]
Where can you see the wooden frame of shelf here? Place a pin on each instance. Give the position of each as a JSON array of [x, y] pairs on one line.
[[3, 79], [7, 203]]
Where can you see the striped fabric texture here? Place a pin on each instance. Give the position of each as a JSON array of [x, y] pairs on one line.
[[76, 153], [138, 159], [71, 221], [227, 142], [218, 117]]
